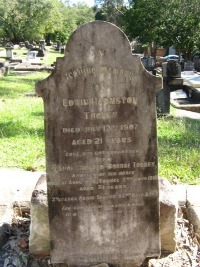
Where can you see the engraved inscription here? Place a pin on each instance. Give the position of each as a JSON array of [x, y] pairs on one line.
[[104, 128], [90, 70], [99, 101]]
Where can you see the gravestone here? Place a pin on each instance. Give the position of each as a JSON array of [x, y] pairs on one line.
[[196, 61], [171, 69], [40, 53], [148, 63], [101, 151], [171, 72], [42, 43], [27, 44], [58, 46], [189, 68], [9, 52], [31, 55]]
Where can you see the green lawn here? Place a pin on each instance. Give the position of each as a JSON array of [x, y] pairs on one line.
[[22, 133], [22, 118], [12, 86], [21, 123], [178, 149]]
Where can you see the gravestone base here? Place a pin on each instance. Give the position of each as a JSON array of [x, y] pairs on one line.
[[65, 265]]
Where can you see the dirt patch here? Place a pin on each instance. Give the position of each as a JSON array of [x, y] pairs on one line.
[[15, 253]]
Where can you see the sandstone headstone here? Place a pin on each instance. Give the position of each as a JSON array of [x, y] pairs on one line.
[[39, 228], [168, 216], [101, 152], [193, 207]]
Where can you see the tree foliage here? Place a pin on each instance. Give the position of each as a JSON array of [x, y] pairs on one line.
[[22, 20], [142, 20], [181, 22], [110, 10], [166, 22], [73, 17]]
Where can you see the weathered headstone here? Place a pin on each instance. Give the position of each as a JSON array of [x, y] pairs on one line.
[[27, 44], [171, 69], [101, 151], [31, 55], [196, 60], [148, 63], [42, 43], [9, 52], [189, 68], [58, 46], [171, 72], [40, 53]]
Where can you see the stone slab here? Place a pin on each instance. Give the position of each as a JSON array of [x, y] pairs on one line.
[[193, 108], [193, 206], [193, 215], [101, 151], [193, 198], [193, 80], [176, 81], [178, 94], [180, 191], [16, 189]]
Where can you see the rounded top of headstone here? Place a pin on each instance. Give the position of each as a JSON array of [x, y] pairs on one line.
[[93, 47], [98, 32], [98, 39]]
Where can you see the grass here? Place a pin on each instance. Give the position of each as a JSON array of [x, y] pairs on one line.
[[21, 118], [21, 123], [178, 149], [22, 132], [13, 86]]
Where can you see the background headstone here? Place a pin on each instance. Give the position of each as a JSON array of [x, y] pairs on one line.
[[58, 46], [101, 152], [196, 61], [189, 68], [9, 52]]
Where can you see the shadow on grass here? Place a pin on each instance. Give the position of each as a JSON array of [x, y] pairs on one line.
[[13, 86], [10, 129], [180, 138], [39, 114], [56, 52]]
